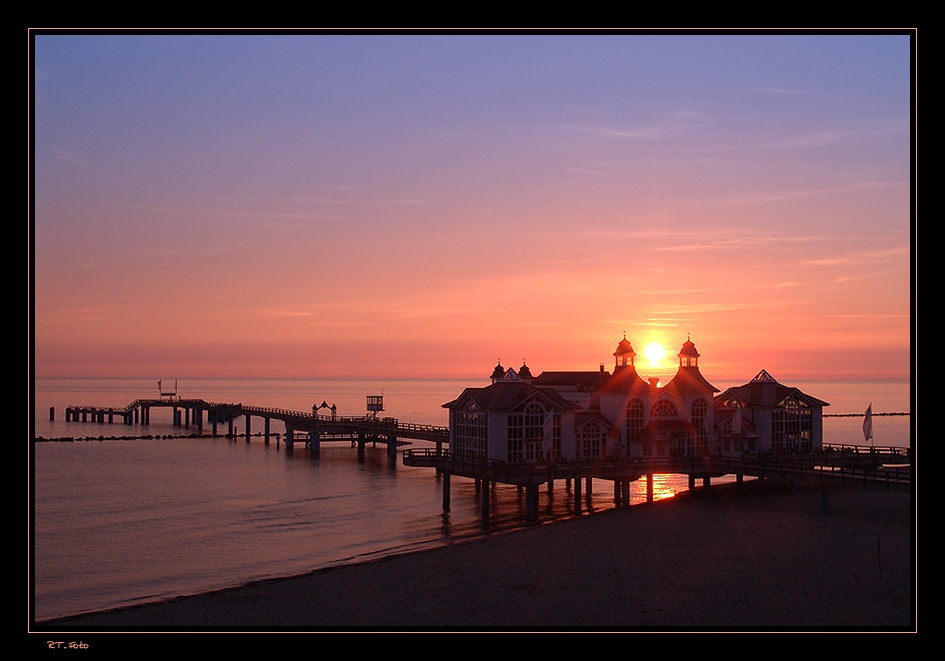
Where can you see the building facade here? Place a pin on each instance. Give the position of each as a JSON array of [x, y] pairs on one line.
[[595, 414], [766, 416]]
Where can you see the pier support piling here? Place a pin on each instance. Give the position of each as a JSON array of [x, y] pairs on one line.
[[446, 491], [531, 502]]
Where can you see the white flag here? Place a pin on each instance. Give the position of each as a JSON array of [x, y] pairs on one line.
[[868, 423]]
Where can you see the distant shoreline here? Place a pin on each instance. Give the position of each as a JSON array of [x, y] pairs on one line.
[[860, 415]]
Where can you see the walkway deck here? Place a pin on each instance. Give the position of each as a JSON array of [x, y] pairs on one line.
[[888, 468], [300, 426]]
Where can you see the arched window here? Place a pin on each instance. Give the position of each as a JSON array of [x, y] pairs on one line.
[[634, 417], [591, 441], [662, 409]]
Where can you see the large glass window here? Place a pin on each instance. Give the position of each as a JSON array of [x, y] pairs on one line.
[[792, 427], [526, 433], [700, 409], [469, 436], [634, 417]]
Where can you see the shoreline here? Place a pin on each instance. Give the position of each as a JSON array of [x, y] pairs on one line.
[[766, 555]]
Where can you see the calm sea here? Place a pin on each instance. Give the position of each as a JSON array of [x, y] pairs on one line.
[[123, 522]]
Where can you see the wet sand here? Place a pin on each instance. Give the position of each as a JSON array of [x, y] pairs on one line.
[[765, 557]]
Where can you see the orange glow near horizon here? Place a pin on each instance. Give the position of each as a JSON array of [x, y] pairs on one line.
[[421, 206]]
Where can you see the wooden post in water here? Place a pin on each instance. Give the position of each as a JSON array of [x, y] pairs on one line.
[[392, 446], [623, 492], [52, 413], [531, 502], [446, 490]]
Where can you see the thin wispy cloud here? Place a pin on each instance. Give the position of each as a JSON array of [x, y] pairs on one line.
[[65, 156], [768, 197], [777, 91], [899, 254]]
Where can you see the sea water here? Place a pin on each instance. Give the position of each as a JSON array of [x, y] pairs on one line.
[[128, 521]]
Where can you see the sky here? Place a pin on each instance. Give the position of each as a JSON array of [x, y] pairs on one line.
[[425, 205]]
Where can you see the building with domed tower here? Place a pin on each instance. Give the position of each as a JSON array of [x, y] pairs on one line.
[[596, 414], [579, 415], [654, 421], [511, 421], [577, 425]]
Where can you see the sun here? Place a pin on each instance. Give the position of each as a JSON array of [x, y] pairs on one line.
[[654, 352]]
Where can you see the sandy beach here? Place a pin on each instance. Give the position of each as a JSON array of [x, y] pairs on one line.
[[765, 557]]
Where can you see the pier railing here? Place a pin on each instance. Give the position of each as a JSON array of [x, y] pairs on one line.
[[302, 420], [890, 467]]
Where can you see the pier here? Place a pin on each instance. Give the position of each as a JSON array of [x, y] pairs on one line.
[[308, 429], [868, 467]]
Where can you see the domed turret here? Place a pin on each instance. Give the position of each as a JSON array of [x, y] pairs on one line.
[[688, 356], [624, 354], [524, 372], [498, 372]]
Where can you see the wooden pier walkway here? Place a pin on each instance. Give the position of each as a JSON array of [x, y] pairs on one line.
[[870, 467], [301, 427]]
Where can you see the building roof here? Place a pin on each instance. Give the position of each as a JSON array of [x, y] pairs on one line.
[[498, 372], [688, 350], [582, 417], [688, 380], [591, 378], [764, 390], [506, 395], [624, 348], [624, 380]]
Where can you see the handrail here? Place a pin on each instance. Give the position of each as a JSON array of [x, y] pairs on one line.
[[390, 425], [761, 464]]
